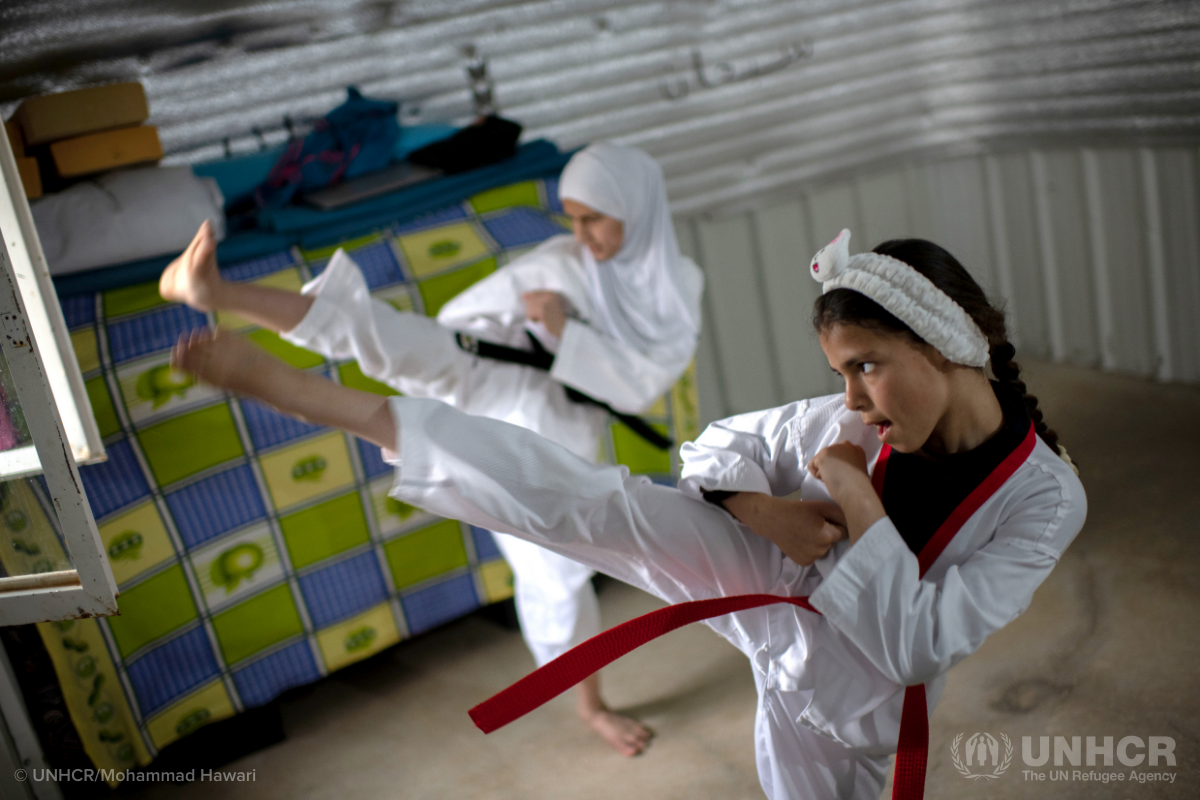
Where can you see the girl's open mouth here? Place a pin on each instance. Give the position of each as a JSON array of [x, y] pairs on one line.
[[883, 428]]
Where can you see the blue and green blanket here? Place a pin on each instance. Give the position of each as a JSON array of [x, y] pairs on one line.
[[253, 552]]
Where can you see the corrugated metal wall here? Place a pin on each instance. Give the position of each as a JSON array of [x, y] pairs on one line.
[[739, 99], [1050, 144], [1097, 252]]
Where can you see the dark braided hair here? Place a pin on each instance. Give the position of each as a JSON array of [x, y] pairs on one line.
[[846, 306]]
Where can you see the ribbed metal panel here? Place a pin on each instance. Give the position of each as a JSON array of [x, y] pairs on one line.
[[1050, 144], [1096, 252], [786, 91]]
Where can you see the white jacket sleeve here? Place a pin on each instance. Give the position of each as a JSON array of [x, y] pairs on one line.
[[754, 452], [602, 367], [494, 307], [915, 629]]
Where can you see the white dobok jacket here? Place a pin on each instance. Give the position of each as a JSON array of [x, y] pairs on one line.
[[586, 359], [830, 685]]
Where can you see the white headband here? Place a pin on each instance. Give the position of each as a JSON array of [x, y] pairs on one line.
[[907, 294]]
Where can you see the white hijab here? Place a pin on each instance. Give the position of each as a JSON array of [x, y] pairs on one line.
[[647, 296]]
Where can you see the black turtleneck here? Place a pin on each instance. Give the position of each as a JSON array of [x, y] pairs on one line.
[[920, 490]]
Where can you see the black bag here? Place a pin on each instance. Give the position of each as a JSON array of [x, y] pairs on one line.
[[490, 140]]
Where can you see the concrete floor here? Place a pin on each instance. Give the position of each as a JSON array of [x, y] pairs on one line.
[[1109, 647]]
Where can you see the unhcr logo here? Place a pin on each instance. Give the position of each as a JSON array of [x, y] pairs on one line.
[[980, 751], [1130, 751], [984, 756]]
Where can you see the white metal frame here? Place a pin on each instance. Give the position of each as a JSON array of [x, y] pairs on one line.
[[28, 264], [89, 590]]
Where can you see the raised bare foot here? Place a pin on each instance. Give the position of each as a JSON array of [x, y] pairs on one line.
[[227, 361], [627, 736], [193, 278]]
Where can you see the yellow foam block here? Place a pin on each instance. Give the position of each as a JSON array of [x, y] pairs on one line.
[[31, 179], [15, 139], [97, 152], [61, 116]]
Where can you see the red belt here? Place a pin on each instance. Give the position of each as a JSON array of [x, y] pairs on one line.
[[912, 752]]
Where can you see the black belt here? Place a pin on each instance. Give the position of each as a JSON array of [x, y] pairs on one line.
[[540, 358]]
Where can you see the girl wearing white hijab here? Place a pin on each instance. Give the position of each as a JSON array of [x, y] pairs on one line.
[[617, 304]]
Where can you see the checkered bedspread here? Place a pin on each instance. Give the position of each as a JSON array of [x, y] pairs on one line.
[[253, 552]]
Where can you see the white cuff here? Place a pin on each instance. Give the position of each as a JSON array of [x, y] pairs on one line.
[[736, 477], [608, 370], [549, 341], [568, 352], [838, 595], [329, 290]]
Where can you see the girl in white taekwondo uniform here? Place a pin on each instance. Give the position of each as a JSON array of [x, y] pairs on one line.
[[976, 509], [618, 305]]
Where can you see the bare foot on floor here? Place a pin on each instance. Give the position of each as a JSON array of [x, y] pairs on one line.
[[193, 278], [225, 360], [627, 736]]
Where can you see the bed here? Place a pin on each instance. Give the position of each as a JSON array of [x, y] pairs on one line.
[[255, 553]]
